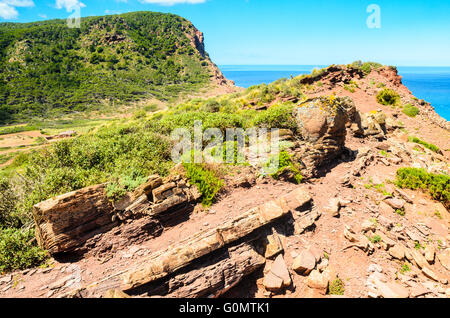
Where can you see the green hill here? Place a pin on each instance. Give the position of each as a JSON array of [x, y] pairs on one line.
[[48, 69]]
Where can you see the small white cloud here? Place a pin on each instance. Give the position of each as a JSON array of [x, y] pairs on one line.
[[69, 5], [43, 16], [7, 12], [8, 8], [172, 2], [19, 3]]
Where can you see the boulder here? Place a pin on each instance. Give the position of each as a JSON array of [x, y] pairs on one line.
[[333, 207], [304, 263], [280, 269], [318, 281], [398, 252], [430, 253], [274, 245], [322, 124], [395, 203], [272, 282]]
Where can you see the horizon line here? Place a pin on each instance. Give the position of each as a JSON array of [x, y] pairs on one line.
[[219, 64]]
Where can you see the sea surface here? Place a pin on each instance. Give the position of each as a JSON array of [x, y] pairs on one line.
[[429, 83]]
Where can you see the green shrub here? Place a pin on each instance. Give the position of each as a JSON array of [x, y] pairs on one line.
[[206, 180], [275, 117], [285, 164], [438, 185], [425, 144], [8, 200], [16, 251], [411, 110], [388, 97], [405, 268], [336, 287]]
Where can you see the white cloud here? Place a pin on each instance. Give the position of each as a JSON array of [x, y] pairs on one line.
[[8, 8], [172, 2], [69, 5]]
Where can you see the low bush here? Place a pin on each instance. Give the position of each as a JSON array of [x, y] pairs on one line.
[[275, 117], [388, 97], [410, 110], [17, 252], [438, 185], [284, 164], [336, 287], [206, 181]]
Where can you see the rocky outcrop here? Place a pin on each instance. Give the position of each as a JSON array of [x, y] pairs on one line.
[[321, 123], [67, 222], [230, 249]]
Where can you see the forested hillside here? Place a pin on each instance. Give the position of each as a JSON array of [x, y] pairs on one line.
[[48, 69]]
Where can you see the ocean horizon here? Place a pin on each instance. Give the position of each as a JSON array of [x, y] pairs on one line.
[[431, 83]]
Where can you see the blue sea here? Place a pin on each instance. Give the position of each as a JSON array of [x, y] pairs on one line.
[[429, 83]]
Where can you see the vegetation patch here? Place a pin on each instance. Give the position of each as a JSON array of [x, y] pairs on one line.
[[17, 252], [410, 110], [283, 165], [206, 181], [438, 185], [336, 287], [388, 97], [425, 144]]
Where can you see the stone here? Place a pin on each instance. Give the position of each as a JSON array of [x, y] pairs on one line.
[[349, 235], [392, 290], [395, 203], [398, 252], [318, 281], [274, 245], [318, 253], [272, 282], [304, 263], [444, 259], [368, 225], [413, 236], [323, 265], [429, 273], [418, 258], [280, 269], [306, 220], [404, 195], [333, 207], [384, 221], [60, 283], [430, 253]]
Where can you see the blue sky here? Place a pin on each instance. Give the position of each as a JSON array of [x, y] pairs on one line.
[[413, 32]]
